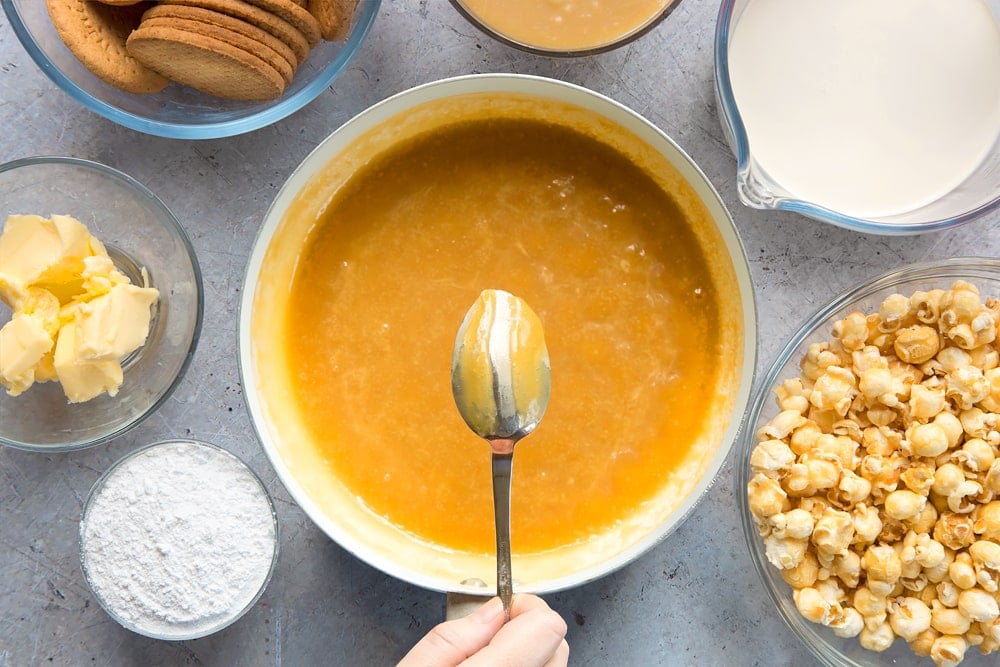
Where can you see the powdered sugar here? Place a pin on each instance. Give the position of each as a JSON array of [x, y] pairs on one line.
[[178, 540]]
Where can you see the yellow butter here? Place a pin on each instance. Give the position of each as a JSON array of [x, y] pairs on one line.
[[114, 324], [45, 369], [63, 288], [99, 277], [23, 343], [44, 305], [46, 253], [82, 379]]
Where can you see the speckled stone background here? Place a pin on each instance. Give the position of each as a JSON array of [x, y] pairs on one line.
[[693, 599]]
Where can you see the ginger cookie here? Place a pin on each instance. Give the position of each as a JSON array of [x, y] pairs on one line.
[[205, 63], [294, 14], [333, 17], [264, 20], [96, 33], [240, 26], [267, 54]]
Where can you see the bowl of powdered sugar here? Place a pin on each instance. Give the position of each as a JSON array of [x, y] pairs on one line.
[[178, 540]]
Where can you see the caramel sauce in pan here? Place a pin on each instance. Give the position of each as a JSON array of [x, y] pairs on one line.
[[606, 259]]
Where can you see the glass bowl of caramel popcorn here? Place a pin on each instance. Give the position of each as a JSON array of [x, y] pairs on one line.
[[100, 303], [869, 478]]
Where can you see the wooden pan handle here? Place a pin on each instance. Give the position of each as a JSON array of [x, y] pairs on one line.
[[459, 605]]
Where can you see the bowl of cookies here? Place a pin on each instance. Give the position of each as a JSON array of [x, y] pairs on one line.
[[869, 471], [101, 303], [192, 69]]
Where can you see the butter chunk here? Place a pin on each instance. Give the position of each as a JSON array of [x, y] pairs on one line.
[[75, 315], [114, 324], [83, 380], [44, 305], [44, 252], [99, 276], [45, 369], [12, 291], [23, 343], [29, 339]]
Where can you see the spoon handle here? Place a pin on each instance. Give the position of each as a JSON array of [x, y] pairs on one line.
[[502, 463]]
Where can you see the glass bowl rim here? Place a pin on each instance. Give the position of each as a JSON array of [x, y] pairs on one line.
[[98, 486], [949, 268], [174, 225], [621, 41], [729, 115], [213, 130]]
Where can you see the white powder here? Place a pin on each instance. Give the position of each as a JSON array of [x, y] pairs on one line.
[[178, 540]]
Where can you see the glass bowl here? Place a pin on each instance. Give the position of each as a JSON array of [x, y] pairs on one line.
[[977, 195], [827, 647], [499, 26], [139, 233], [178, 112], [121, 540]]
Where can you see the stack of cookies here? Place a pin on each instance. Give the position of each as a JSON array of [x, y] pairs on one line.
[[236, 49]]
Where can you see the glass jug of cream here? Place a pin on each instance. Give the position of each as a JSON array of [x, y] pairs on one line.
[[878, 116]]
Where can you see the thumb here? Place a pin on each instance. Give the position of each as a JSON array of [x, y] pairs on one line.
[[451, 642]]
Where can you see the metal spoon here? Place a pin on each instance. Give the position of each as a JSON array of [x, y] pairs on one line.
[[501, 381]]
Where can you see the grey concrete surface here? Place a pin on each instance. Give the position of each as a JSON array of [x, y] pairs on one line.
[[692, 600]]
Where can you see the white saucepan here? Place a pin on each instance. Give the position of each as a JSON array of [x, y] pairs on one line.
[[300, 204]]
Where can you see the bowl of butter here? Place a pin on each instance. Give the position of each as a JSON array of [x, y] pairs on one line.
[[100, 303]]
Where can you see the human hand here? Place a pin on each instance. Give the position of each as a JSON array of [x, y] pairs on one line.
[[534, 637]]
